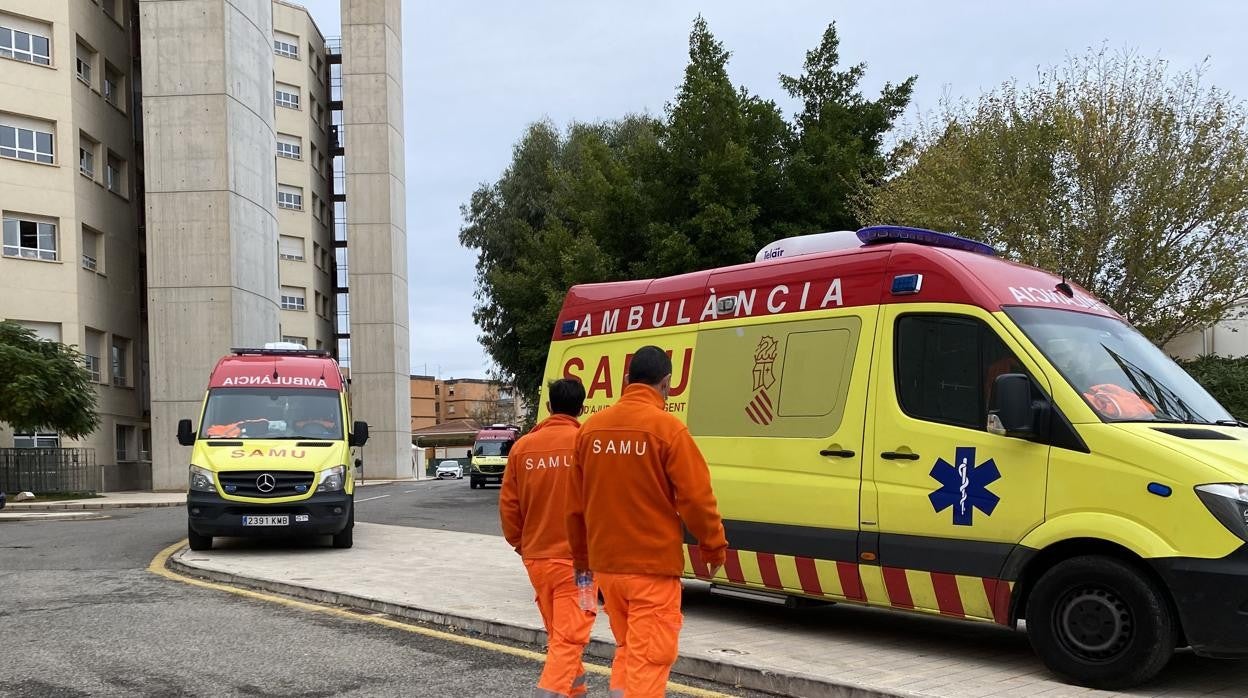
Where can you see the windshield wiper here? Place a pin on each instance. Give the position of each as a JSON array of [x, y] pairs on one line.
[[1162, 394], [1231, 423]]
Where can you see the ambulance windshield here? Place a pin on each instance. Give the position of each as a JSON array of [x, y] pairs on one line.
[[491, 448], [1122, 375], [272, 413]]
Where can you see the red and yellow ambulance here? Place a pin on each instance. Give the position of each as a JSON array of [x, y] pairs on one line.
[[273, 451], [900, 418]]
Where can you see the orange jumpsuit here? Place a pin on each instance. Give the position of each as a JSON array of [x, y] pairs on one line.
[[533, 509], [636, 478]]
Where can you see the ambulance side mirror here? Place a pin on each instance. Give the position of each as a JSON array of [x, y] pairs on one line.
[[359, 434], [186, 433], [1013, 412]]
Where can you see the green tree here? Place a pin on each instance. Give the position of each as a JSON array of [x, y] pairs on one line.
[[839, 156], [44, 385], [721, 174], [1125, 176]]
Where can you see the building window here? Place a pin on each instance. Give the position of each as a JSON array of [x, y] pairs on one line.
[[290, 197], [86, 156], [23, 46], [43, 439], [91, 349], [29, 239], [302, 341], [30, 144], [92, 246], [286, 50], [290, 248], [84, 63], [121, 361], [125, 443], [112, 86], [114, 175], [289, 147], [293, 298], [450, 409], [110, 9], [287, 96]]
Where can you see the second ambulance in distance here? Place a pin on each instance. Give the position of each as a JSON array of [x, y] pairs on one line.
[[899, 418], [489, 454], [272, 454]]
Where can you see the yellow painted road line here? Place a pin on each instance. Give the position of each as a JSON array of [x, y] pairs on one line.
[[158, 567]]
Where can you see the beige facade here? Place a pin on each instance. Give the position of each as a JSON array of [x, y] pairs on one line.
[[72, 262], [195, 205], [435, 401], [304, 179]]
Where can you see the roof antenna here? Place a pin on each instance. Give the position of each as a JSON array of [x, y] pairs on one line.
[[1065, 287]]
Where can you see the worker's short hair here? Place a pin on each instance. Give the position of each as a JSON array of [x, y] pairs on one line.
[[650, 365], [567, 396]]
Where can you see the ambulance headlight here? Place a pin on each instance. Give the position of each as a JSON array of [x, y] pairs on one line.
[[1229, 504], [201, 480], [333, 479]]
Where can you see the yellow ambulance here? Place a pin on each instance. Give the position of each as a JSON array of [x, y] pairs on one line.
[[272, 452], [900, 418]]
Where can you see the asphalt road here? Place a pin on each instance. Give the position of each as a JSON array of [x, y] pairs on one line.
[[80, 615], [449, 505]]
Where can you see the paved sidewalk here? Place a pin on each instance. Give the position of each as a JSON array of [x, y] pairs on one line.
[[132, 500], [108, 500], [477, 583]]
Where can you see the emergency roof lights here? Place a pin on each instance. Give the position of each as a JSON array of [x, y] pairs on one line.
[[880, 234]]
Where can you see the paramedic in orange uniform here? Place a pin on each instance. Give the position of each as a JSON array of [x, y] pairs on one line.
[[636, 478], [533, 509]]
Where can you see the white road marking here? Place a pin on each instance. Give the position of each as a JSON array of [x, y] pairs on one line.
[[410, 491], [371, 498]]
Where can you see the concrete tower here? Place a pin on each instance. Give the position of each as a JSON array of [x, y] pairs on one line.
[[372, 97], [212, 238]]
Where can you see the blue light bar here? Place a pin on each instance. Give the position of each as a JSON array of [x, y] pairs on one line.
[[907, 284], [569, 327], [878, 234]]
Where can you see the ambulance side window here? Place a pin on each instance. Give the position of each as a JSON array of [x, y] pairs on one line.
[[945, 367]]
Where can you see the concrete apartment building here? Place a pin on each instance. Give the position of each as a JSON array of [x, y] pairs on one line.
[[170, 173], [436, 401]]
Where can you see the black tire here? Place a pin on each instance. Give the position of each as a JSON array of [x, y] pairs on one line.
[[346, 537], [197, 541], [1100, 622], [474, 483]]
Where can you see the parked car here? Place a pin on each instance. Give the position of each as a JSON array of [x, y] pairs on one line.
[[449, 469]]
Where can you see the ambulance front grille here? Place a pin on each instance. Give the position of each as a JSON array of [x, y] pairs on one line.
[[491, 469], [249, 483]]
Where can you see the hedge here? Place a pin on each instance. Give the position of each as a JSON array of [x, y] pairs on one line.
[[1226, 379]]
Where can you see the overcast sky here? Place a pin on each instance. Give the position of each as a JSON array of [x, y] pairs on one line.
[[476, 73]]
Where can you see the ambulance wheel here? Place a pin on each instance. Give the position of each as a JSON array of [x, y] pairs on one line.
[[197, 541], [346, 537], [1101, 623]]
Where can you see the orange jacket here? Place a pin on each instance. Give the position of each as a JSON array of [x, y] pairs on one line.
[[636, 477], [533, 501]]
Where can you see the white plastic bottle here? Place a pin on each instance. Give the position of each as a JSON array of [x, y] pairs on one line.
[[586, 595]]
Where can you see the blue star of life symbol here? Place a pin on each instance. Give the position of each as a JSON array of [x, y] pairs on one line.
[[964, 485]]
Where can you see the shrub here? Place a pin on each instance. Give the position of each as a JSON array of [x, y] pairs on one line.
[[1225, 378]]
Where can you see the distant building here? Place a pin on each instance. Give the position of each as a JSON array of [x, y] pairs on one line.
[[436, 401], [207, 207], [1227, 338]]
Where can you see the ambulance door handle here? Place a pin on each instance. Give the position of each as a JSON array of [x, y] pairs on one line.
[[895, 455], [836, 453]]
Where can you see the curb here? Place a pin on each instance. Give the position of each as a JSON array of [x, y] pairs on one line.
[[722, 672], [79, 506]]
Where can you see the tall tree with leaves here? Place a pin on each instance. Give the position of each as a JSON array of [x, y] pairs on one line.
[[1129, 178], [719, 176], [44, 385], [840, 155]]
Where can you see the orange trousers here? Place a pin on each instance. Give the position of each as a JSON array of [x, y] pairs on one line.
[[567, 627], [644, 610]]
